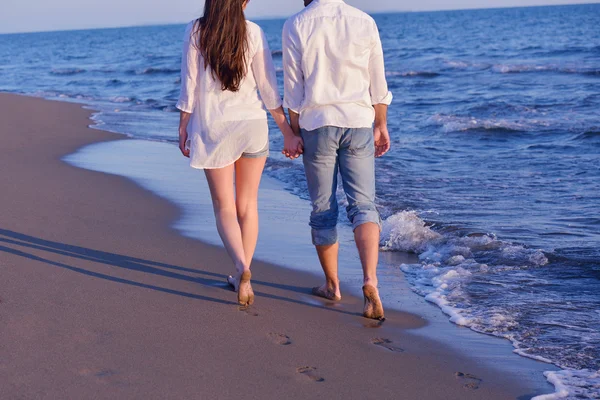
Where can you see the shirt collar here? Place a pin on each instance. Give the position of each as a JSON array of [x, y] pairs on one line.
[[327, 1]]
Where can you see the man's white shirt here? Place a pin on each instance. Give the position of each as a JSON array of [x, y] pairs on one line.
[[333, 66]]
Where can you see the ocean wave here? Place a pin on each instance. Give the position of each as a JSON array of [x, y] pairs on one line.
[[453, 123], [122, 99], [593, 134], [522, 68], [479, 282], [405, 231], [572, 384], [155, 71], [156, 57], [67, 71], [450, 263], [74, 57], [528, 68], [413, 74], [75, 96], [450, 266], [105, 70], [458, 64]]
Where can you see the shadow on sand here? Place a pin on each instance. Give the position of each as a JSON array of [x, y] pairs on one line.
[[22, 244]]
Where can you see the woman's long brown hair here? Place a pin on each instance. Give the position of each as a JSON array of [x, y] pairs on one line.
[[223, 42]]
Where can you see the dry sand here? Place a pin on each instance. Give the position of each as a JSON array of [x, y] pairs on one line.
[[101, 299]]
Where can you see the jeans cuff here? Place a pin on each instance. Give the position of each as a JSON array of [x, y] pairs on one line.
[[366, 217], [324, 237]]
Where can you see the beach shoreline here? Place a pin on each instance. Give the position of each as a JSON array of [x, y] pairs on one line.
[[119, 304]]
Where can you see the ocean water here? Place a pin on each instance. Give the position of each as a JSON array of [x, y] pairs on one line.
[[494, 174]]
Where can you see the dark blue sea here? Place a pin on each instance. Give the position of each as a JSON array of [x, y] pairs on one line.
[[494, 174]]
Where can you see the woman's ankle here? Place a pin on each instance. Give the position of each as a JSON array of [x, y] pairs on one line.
[[241, 268]]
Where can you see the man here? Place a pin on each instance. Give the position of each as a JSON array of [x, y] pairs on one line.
[[337, 97]]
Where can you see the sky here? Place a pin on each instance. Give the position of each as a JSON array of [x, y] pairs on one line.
[[45, 15]]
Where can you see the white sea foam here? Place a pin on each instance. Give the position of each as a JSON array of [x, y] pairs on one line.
[[67, 71], [458, 64], [573, 384], [526, 353], [423, 74], [448, 265], [454, 123], [557, 68], [121, 99], [405, 231]]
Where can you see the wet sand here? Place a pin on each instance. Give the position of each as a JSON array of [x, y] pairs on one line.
[[100, 298]]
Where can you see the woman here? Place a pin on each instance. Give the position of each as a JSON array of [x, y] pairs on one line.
[[223, 126]]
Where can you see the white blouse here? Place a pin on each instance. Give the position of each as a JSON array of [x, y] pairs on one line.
[[226, 124]]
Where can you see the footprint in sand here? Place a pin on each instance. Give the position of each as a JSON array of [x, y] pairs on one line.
[[311, 373], [280, 338], [387, 344], [104, 376], [248, 310], [372, 324], [471, 381]]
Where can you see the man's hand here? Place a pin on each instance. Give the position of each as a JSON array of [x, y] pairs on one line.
[[381, 137], [293, 146], [183, 137]]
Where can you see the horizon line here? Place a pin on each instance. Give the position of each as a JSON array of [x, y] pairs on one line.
[[272, 18]]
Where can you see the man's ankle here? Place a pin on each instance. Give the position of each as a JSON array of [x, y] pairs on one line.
[[332, 285]]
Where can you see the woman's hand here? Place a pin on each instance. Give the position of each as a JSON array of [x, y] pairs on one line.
[[183, 137], [293, 146], [184, 120]]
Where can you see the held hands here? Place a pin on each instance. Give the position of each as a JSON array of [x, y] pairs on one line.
[[293, 146], [183, 137], [381, 137]]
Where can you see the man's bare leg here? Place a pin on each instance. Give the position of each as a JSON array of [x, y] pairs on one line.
[[366, 237], [328, 255]]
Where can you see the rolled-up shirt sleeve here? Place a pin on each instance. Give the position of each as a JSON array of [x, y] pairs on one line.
[[264, 74], [292, 68], [189, 72], [378, 85]]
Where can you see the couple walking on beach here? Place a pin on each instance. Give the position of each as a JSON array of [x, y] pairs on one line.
[[337, 97]]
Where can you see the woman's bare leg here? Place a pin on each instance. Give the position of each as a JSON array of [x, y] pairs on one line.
[[248, 172], [221, 186]]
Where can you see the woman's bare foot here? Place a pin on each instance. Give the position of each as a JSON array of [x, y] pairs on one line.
[[245, 292], [325, 292], [242, 286], [373, 307]]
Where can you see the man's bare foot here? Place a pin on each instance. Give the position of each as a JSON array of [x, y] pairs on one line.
[[243, 287], [323, 291], [373, 307]]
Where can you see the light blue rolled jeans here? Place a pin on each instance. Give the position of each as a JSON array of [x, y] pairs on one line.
[[351, 152]]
